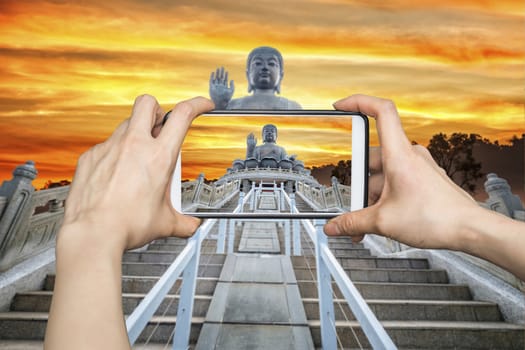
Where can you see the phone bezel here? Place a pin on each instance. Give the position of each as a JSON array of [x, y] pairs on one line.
[[360, 142]]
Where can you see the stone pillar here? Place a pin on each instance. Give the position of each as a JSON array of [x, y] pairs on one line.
[[198, 187], [289, 186], [246, 185], [17, 211], [335, 185], [501, 198]]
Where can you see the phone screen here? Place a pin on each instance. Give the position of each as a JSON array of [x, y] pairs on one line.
[[269, 158]]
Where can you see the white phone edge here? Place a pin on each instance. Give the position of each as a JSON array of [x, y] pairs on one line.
[[357, 188]]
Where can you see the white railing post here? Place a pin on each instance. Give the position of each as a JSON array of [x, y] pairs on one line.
[[231, 236], [287, 241], [181, 338], [281, 196], [252, 201], [240, 203], [296, 227], [324, 287], [221, 239]]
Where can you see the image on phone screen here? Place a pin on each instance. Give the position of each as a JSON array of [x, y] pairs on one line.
[[266, 162]]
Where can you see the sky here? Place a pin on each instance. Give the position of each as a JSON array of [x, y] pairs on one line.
[[71, 69]]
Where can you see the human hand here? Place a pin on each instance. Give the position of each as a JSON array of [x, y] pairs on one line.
[[220, 93], [251, 140], [412, 199], [121, 187]]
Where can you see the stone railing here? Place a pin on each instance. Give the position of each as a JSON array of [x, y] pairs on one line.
[[29, 219], [325, 198], [487, 281], [199, 194], [500, 200]]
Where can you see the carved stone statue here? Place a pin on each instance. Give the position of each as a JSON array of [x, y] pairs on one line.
[[501, 198], [264, 71], [269, 149]]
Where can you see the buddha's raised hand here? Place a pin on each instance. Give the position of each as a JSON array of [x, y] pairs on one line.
[[220, 93]]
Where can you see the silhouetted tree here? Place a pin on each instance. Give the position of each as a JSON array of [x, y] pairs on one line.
[[343, 172], [454, 155], [51, 184]]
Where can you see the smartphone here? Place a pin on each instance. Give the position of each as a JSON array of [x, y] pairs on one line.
[[257, 164]]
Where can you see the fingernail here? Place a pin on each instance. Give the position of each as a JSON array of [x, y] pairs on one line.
[[338, 101], [331, 228]]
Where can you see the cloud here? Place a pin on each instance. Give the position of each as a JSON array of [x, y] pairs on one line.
[[71, 70]]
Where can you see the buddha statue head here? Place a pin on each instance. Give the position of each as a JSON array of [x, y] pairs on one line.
[[269, 133], [264, 69]]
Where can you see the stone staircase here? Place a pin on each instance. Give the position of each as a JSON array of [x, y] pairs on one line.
[[417, 305], [23, 327]]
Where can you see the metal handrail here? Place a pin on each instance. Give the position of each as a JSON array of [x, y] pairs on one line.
[[327, 268], [187, 262]]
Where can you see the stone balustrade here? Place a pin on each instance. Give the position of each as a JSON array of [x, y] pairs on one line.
[[199, 194], [336, 197], [502, 200], [29, 219]]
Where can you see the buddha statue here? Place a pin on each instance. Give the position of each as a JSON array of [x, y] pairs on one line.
[[264, 71], [269, 148]]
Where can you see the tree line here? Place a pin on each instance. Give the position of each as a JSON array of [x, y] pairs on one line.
[[454, 153]]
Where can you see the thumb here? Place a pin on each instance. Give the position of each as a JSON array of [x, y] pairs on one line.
[[354, 224], [185, 225]]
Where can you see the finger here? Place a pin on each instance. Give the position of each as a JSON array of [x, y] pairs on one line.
[[221, 76], [119, 131], [232, 87], [354, 224], [212, 77], [375, 187], [159, 122], [144, 114], [180, 119], [389, 128], [225, 79], [375, 161]]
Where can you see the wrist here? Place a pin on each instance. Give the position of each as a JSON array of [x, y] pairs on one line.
[[91, 239], [484, 235]]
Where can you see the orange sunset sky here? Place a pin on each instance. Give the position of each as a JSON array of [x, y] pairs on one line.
[[70, 70]]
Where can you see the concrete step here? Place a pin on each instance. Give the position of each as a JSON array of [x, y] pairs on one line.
[[382, 275], [22, 344], [157, 269], [392, 291], [31, 326], [432, 335], [336, 245], [205, 249], [169, 257], [143, 284], [366, 262], [40, 301], [342, 252], [249, 336], [413, 310]]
